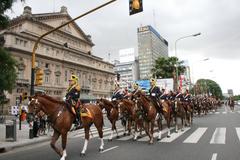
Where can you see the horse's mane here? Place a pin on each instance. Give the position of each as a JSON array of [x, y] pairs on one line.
[[52, 99], [127, 101]]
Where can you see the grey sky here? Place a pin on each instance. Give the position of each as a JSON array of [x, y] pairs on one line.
[[112, 28]]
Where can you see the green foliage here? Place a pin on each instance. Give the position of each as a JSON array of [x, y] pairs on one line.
[[7, 71], [166, 67], [236, 98], [4, 20], [207, 86]]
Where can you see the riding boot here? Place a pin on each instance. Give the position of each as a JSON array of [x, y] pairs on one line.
[[78, 124]]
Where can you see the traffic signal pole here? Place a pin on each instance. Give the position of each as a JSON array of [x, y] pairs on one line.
[[43, 35]]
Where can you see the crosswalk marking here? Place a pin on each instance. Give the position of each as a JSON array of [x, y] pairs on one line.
[[224, 112], [174, 136], [94, 133], [120, 130], [195, 136], [219, 136], [217, 112], [155, 134], [238, 132]]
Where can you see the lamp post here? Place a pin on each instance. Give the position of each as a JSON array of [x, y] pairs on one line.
[[193, 35]]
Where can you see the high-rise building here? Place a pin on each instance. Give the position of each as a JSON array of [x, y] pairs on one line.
[[151, 46]]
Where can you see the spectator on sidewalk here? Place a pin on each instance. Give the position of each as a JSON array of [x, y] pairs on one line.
[[35, 127]]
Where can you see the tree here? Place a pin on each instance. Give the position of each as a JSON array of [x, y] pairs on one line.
[[166, 68], [208, 87], [7, 63]]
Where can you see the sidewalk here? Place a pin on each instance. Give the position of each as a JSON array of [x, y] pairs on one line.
[[22, 138]]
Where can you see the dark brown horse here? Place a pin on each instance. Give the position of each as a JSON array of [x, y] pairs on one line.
[[149, 113], [231, 104], [130, 112], [61, 119], [112, 113]]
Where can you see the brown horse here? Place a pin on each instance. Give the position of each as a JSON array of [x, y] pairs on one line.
[[149, 113], [130, 112], [231, 104], [112, 114], [61, 119], [179, 112]]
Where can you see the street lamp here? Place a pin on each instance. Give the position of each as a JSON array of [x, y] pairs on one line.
[[193, 35]]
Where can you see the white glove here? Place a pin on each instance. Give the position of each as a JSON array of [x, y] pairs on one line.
[[64, 99]]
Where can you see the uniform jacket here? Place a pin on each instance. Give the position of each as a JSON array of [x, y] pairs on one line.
[[155, 92], [73, 93]]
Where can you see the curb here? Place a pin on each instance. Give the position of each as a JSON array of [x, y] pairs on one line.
[[4, 149]]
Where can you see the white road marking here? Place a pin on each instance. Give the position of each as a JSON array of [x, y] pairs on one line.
[[174, 136], [219, 136], [224, 112], [109, 149], [214, 156], [217, 112], [195, 136], [238, 132]]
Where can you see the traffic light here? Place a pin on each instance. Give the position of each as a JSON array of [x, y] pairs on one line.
[[135, 6], [118, 76], [24, 96], [39, 77]]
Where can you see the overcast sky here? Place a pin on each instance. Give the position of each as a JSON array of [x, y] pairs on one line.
[[112, 29]]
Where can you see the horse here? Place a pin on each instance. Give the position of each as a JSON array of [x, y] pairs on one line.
[[131, 113], [61, 119], [149, 113], [231, 104], [112, 114], [179, 112]]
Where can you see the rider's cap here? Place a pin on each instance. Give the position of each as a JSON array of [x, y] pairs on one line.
[[153, 80], [73, 78]]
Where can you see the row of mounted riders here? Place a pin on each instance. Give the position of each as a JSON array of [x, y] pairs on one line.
[[138, 111]]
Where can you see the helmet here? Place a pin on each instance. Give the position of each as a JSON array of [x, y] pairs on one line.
[[153, 81], [135, 85], [74, 78]]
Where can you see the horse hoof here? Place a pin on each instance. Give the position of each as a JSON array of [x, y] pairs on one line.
[[124, 134], [168, 136], [109, 140], [117, 137], [82, 154], [159, 139], [134, 139], [100, 150]]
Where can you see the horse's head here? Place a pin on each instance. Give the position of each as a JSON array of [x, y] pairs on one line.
[[34, 107]]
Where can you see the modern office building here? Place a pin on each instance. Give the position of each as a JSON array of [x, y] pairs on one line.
[[62, 53], [151, 46]]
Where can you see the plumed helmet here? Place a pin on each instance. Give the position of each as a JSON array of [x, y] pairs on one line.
[[74, 78], [153, 81], [135, 85]]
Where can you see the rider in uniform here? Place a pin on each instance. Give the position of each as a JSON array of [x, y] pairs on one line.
[[118, 93], [155, 93], [187, 96], [72, 99]]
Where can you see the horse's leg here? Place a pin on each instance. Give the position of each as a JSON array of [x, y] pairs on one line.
[[168, 119], [86, 130], [64, 142], [136, 130], [159, 121], [55, 137], [111, 135], [151, 130], [100, 133], [129, 126], [176, 125], [115, 128]]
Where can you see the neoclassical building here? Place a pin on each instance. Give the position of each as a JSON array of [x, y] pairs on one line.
[[59, 54]]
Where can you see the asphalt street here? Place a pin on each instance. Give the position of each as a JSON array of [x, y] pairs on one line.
[[215, 136]]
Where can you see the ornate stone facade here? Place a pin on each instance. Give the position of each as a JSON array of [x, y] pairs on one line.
[[59, 54]]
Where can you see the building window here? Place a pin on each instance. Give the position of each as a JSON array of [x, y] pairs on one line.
[[46, 65], [66, 75], [57, 79], [47, 78], [20, 74]]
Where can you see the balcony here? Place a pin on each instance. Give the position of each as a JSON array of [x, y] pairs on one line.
[[20, 81]]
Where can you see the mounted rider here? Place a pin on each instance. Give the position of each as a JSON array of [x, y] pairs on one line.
[[187, 96], [118, 93], [73, 99], [155, 93]]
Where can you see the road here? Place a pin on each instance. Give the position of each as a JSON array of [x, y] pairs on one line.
[[215, 136]]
